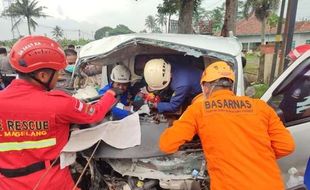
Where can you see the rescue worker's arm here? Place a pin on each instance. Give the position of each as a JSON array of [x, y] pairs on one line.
[[78, 112], [176, 100], [282, 141], [120, 113], [182, 130]]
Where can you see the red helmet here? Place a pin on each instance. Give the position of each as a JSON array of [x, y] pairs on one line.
[[297, 52], [32, 53]]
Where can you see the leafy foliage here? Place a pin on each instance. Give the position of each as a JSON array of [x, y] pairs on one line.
[[109, 31], [65, 42], [217, 18], [161, 20], [57, 33], [171, 7], [262, 8], [25, 9], [208, 21], [272, 20], [150, 23]]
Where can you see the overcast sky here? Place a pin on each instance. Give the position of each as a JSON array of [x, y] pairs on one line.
[[90, 15]]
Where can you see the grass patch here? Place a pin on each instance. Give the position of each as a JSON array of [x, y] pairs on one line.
[[252, 63], [251, 57], [260, 89], [251, 69]]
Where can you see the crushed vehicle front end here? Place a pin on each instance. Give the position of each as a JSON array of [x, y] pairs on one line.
[[145, 166]]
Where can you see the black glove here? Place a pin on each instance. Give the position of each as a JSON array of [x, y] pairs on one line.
[[137, 104], [118, 92]]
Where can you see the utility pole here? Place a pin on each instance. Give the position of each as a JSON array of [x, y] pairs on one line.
[[288, 32], [79, 31], [277, 45]]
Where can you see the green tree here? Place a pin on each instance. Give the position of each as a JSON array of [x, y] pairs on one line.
[[120, 29], [109, 31], [102, 32], [231, 7], [168, 8], [161, 20], [185, 8], [28, 9], [216, 18], [57, 33], [272, 21], [262, 10], [240, 14], [150, 23], [200, 16], [65, 42]]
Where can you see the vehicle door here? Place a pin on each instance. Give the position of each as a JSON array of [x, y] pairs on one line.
[[289, 95]]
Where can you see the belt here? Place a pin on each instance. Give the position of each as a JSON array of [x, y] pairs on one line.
[[18, 172]]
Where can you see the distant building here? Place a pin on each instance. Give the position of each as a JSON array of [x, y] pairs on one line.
[[249, 33], [173, 27]]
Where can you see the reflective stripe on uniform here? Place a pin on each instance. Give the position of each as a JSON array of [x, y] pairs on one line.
[[8, 146]]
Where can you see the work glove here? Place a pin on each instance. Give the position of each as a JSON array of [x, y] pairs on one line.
[[117, 92], [152, 105], [137, 104]]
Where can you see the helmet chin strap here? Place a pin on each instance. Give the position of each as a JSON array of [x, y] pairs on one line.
[[47, 84]]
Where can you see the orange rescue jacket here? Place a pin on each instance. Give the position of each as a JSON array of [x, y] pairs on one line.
[[241, 139]]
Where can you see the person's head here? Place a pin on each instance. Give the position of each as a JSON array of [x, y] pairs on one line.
[[71, 56], [3, 51], [157, 74], [71, 46], [38, 60], [120, 77], [294, 54], [218, 75]]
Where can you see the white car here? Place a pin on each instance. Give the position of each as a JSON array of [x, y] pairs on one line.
[[289, 95], [145, 163]]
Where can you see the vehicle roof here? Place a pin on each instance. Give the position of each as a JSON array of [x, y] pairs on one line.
[[226, 45]]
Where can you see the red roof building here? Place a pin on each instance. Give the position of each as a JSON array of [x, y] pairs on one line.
[[249, 32]]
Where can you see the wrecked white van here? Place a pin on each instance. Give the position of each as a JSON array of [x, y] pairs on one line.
[[144, 166]]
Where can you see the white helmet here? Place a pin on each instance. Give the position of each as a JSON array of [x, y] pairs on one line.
[[157, 74], [121, 74]]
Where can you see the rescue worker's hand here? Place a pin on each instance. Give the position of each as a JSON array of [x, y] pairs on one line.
[[152, 105], [115, 91], [137, 104]]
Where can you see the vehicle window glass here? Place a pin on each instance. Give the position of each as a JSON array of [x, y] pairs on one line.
[[294, 102]]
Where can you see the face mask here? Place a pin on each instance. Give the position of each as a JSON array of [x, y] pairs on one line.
[[70, 68]]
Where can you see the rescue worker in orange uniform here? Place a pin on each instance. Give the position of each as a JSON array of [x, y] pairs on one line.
[[34, 120], [241, 137]]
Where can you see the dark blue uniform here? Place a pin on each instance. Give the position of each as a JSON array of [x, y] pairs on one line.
[[117, 113], [185, 83]]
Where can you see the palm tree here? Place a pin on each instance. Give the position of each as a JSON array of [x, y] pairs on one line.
[[25, 9], [58, 33], [262, 9], [161, 20], [150, 23]]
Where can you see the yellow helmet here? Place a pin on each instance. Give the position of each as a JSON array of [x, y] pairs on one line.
[[217, 70]]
